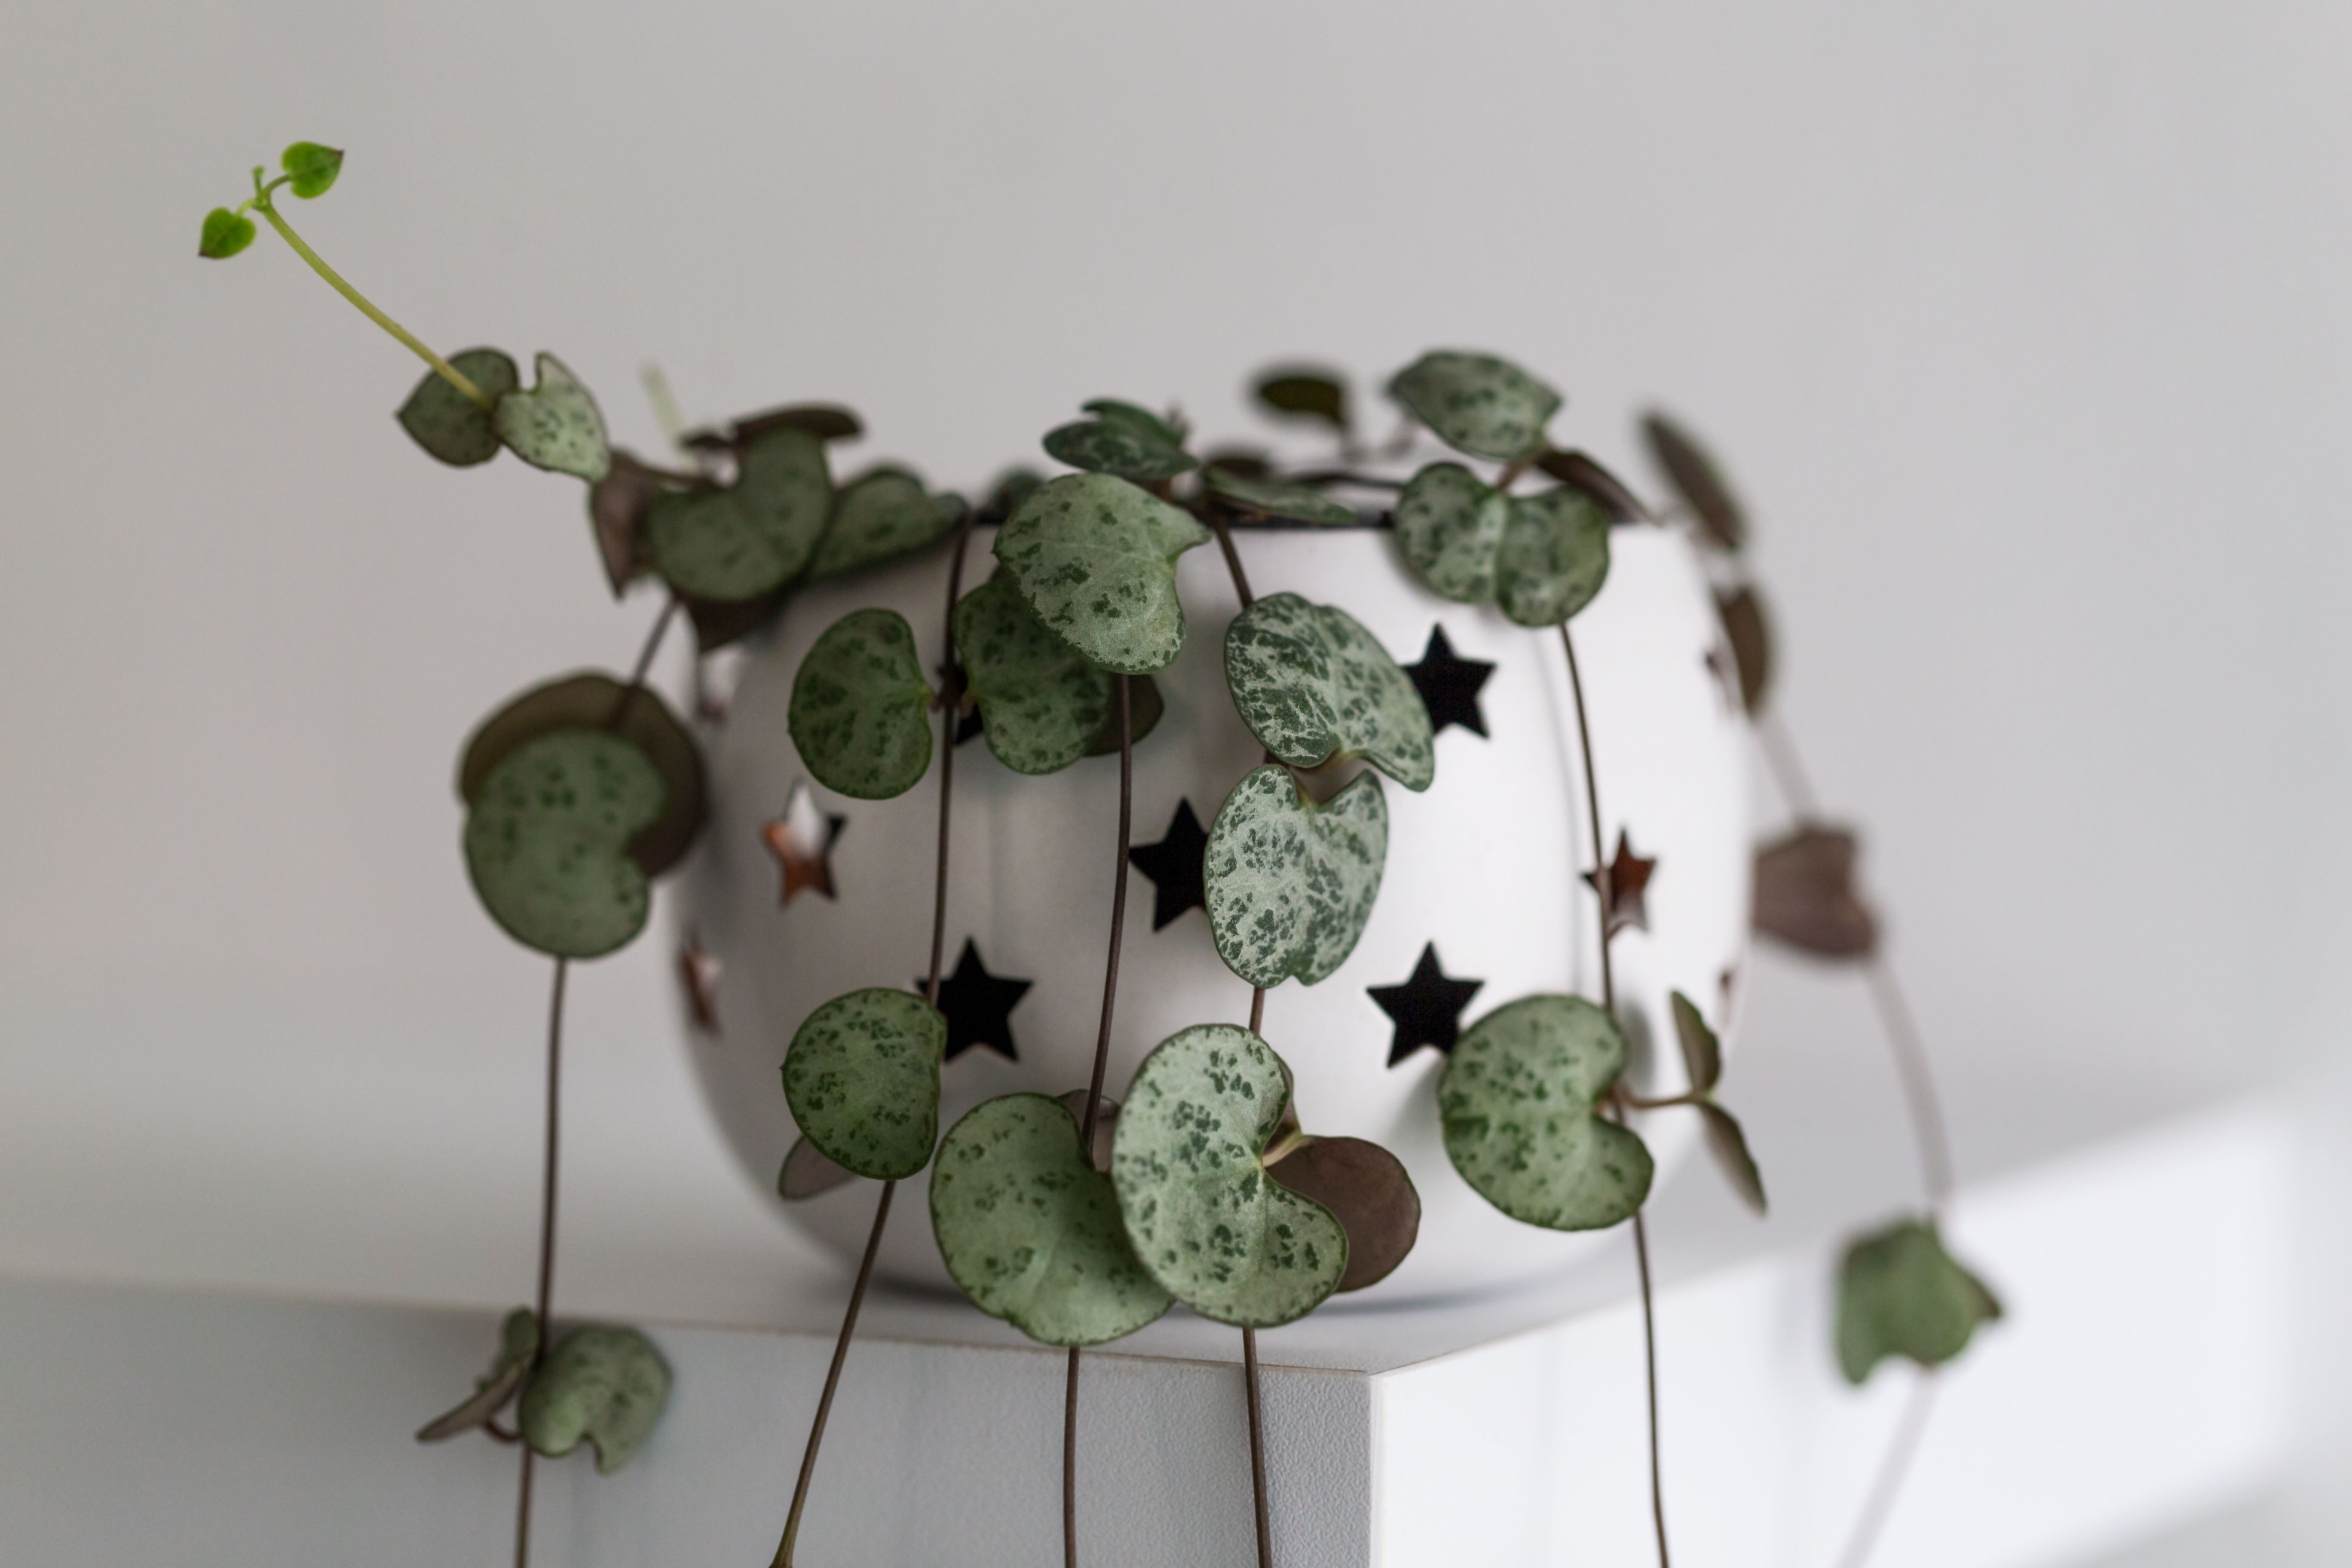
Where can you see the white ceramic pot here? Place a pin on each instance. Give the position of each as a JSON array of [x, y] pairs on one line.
[[1487, 865]]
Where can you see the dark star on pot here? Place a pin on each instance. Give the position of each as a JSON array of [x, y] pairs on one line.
[[1629, 885], [1449, 685], [1177, 866], [801, 841], [978, 1005], [1426, 1009]]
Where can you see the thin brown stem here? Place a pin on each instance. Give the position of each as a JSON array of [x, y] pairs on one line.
[[1257, 1450], [1233, 557], [1890, 1472], [953, 680], [644, 664], [1920, 1096], [1633, 1101], [1787, 769], [1257, 1010], [1650, 1370], [784, 1558], [1344, 476], [545, 1293]]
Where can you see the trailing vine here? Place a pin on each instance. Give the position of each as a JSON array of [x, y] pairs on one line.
[[1081, 1218]]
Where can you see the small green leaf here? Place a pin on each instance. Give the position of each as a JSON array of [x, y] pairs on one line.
[[1290, 883], [605, 1384], [555, 425], [314, 167], [750, 539], [825, 421], [1136, 419], [1449, 525], [1517, 1102], [1306, 393], [1123, 439], [862, 1077], [1702, 1052], [226, 234], [1729, 1144], [882, 514], [1096, 558], [518, 1343], [1313, 685], [1220, 1234], [1477, 404], [1041, 703], [547, 842], [860, 711], [1030, 1230], [1901, 1294], [1277, 498], [451, 426], [1554, 557]]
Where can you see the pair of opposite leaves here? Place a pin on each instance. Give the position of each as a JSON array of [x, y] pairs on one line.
[[603, 1385], [1035, 1232]]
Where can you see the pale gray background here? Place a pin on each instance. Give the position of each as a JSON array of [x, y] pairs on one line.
[[2024, 327]]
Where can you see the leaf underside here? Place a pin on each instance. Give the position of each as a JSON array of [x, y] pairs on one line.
[[518, 1343]]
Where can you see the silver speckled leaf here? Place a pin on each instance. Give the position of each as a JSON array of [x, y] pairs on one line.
[[1901, 1294], [1312, 684], [1030, 1230], [862, 1077], [1123, 439], [451, 426], [1554, 557], [1278, 498], [1449, 525], [555, 425], [1516, 1101], [518, 1343], [1290, 883], [1096, 558], [1041, 702], [1224, 1237], [878, 516], [860, 712], [547, 842], [1476, 403], [753, 537], [606, 1385]]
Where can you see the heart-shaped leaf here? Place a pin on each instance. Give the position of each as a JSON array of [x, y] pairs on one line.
[[825, 421], [1693, 477], [1702, 1052], [751, 538], [451, 426], [592, 701], [1368, 1192], [1123, 439], [1314, 685], [1305, 393], [1729, 1144], [555, 425], [880, 515], [1742, 612], [547, 842], [1096, 558], [1553, 558], [1218, 1234], [226, 234], [1805, 894], [860, 712], [1518, 1101], [1901, 1294], [1290, 883], [1041, 703], [862, 1077], [1135, 417], [518, 1343], [1476, 403], [807, 1173], [314, 168], [1449, 525], [617, 506], [606, 1386], [1030, 1229], [1277, 498]]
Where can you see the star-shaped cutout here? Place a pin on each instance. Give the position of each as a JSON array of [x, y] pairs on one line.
[[1449, 686], [697, 976], [1178, 867], [978, 1005], [1426, 1009], [802, 841], [968, 724], [1629, 885]]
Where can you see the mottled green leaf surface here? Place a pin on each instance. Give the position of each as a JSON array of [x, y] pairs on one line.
[[1120, 438], [225, 233], [1476, 403], [1136, 419], [1516, 1101], [518, 1343], [555, 425], [314, 168], [604, 1386], [860, 712], [1290, 883], [1096, 558], [1278, 498], [752, 537], [1224, 1237], [1553, 557], [1449, 525], [862, 1077], [1041, 703], [880, 515], [1030, 1229], [1313, 685], [451, 426], [1900, 1293], [547, 842]]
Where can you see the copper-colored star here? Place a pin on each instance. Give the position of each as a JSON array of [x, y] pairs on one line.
[[697, 976], [1626, 896], [802, 841]]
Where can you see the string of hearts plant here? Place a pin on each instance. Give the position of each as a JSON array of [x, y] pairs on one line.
[[1079, 1219]]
